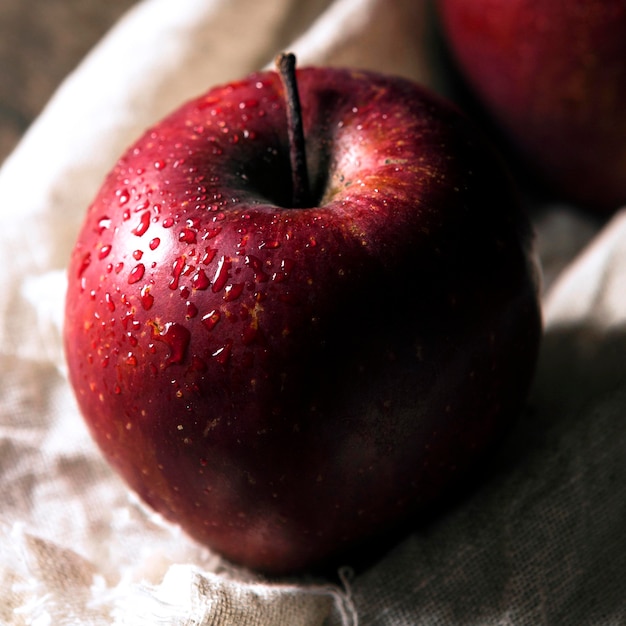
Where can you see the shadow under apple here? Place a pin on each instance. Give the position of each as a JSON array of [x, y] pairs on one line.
[[538, 535]]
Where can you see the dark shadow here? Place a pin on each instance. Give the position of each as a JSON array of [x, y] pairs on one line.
[[570, 441]]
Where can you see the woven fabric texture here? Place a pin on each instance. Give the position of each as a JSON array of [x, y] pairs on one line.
[[540, 541]]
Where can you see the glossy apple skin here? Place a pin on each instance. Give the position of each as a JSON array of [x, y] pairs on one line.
[[284, 383], [553, 74]]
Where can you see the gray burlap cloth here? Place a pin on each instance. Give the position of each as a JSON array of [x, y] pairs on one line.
[[542, 541]]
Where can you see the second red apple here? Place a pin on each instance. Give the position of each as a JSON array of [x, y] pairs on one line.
[[553, 75]]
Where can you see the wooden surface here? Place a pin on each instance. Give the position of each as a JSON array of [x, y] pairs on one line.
[[41, 41]]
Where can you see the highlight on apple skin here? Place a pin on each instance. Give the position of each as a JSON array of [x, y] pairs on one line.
[[552, 74], [287, 382]]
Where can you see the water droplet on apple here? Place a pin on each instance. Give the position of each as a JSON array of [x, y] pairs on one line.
[[177, 338], [212, 232], [254, 262], [221, 355], [104, 223], [84, 264], [109, 302], [221, 274], [159, 164], [104, 251], [136, 274], [122, 196], [192, 310], [168, 222], [117, 390], [154, 243], [131, 359], [232, 292], [209, 255], [128, 317], [142, 226], [147, 299], [211, 319], [200, 280], [177, 270], [187, 236]]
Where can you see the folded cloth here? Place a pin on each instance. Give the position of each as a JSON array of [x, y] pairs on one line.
[[540, 542]]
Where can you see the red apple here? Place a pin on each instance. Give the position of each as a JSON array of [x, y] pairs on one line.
[[285, 379], [553, 75]]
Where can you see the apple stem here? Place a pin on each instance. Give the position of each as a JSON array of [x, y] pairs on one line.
[[301, 193]]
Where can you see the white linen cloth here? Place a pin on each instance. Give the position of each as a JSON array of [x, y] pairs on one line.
[[541, 542]]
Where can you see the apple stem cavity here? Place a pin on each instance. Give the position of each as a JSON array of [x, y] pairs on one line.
[[301, 192]]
